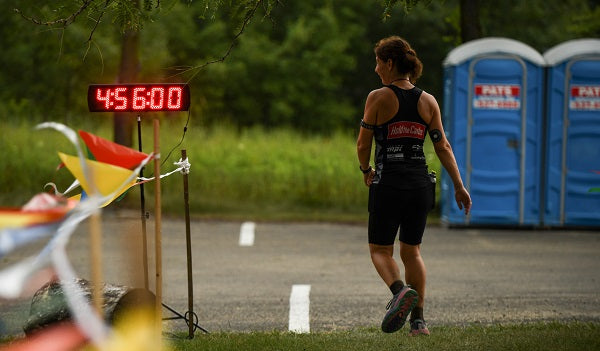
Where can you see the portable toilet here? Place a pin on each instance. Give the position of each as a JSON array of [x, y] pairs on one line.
[[493, 109], [573, 134]]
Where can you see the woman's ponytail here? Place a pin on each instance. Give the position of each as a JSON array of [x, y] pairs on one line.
[[402, 55]]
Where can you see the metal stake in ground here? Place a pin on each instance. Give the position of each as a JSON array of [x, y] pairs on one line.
[[188, 243], [190, 317]]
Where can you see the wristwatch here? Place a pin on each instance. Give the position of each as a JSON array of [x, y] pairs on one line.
[[365, 171]]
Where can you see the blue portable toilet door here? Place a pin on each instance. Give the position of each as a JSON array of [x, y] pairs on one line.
[[581, 143], [496, 139]]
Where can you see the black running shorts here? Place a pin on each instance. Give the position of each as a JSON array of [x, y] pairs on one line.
[[392, 209]]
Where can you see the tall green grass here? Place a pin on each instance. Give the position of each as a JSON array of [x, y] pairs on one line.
[[235, 174], [28, 162]]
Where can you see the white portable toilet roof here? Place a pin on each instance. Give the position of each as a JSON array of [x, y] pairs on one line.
[[570, 49], [492, 45]]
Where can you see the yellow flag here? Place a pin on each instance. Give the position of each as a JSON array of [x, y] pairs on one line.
[[107, 178]]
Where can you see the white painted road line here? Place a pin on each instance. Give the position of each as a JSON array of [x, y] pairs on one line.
[[299, 309], [247, 234]]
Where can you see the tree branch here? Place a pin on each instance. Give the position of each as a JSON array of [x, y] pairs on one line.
[[63, 21], [247, 18], [98, 20]]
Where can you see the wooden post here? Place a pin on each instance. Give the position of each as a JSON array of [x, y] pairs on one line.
[[96, 262], [95, 249], [188, 242], [157, 226]]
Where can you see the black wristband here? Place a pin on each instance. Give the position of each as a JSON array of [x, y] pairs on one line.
[[365, 171]]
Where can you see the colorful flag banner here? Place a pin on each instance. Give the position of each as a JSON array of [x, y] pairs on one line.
[[16, 217], [102, 182], [41, 209], [112, 153], [107, 178]]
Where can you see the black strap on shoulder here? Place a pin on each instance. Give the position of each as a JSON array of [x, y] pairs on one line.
[[366, 126]]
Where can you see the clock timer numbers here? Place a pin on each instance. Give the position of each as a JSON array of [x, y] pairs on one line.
[[138, 97], [139, 101], [120, 99], [175, 98], [155, 98], [112, 99]]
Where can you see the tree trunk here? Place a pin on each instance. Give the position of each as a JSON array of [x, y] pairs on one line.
[[124, 121], [470, 26]]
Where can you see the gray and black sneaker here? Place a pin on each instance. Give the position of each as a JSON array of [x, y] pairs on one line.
[[418, 327], [399, 308]]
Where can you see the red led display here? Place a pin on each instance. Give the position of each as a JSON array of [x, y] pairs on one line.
[[138, 97]]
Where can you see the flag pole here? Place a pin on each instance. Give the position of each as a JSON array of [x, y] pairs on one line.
[[157, 226], [143, 209]]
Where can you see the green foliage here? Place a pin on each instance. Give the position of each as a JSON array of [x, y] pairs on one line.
[[389, 5], [46, 67], [313, 64], [541, 24], [127, 14], [306, 65]]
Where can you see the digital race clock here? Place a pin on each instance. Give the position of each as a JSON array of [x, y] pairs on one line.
[[138, 97]]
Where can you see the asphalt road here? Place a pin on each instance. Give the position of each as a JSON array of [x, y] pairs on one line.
[[474, 275]]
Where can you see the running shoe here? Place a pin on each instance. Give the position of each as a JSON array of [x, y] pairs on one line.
[[418, 327], [398, 309]]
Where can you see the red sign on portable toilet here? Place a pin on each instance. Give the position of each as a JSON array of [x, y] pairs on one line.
[[585, 97], [497, 97]]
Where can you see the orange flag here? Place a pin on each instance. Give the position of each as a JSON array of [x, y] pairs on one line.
[[112, 153]]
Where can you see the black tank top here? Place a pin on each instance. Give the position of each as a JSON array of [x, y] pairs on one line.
[[399, 158]]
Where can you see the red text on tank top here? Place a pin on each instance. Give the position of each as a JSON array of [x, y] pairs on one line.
[[405, 129]]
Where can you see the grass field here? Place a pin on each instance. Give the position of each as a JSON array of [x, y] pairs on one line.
[[270, 175], [533, 336], [250, 174], [539, 336]]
